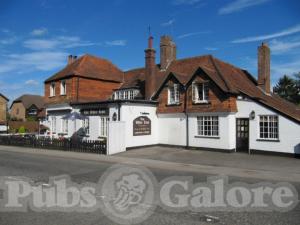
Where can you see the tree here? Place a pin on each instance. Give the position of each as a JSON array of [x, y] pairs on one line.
[[288, 88]]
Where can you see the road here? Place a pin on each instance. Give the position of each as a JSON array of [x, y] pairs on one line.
[[40, 167]]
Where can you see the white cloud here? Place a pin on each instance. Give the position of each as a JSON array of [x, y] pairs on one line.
[[39, 32], [34, 61], [168, 23], [289, 68], [192, 34], [8, 41], [54, 43], [116, 43], [185, 2], [32, 82], [211, 49], [288, 31], [280, 47], [239, 5]]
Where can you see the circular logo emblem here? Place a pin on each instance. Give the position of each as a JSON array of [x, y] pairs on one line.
[[128, 194]]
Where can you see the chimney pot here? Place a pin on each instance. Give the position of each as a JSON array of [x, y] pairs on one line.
[[70, 59]]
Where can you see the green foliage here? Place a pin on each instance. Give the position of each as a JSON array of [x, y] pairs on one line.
[[31, 118], [22, 130], [289, 88]]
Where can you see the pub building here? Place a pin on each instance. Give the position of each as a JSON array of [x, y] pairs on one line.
[[198, 102]]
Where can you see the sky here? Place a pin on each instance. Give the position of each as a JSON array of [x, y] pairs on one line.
[[36, 36]]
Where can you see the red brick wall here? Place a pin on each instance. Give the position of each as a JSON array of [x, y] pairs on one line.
[[88, 90], [218, 100]]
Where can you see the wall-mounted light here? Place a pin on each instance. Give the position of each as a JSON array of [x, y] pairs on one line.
[[114, 117], [252, 115]]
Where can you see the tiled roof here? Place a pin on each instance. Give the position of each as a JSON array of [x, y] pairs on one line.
[[92, 67], [29, 100], [229, 78]]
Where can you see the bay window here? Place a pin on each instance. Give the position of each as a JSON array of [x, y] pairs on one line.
[[104, 126], [86, 126], [65, 124]]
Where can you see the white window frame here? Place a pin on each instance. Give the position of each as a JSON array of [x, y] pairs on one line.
[[103, 126], [63, 87], [208, 126], [131, 94], [174, 95], [52, 89], [53, 124], [195, 92], [272, 128], [125, 94], [86, 125], [64, 126]]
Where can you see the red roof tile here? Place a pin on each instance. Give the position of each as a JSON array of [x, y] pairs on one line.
[[90, 67]]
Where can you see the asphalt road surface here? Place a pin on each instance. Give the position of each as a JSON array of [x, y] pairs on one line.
[[40, 168]]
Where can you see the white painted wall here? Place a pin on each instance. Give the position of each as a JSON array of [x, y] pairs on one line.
[[289, 131], [226, 138], [129, 112], [116, 138], [172, 129]]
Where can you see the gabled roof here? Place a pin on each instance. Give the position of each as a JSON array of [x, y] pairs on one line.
[[29, 100], [91, 67], [228, 78], [4, 97]]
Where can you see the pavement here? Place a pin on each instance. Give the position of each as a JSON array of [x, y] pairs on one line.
[[262, 167], [39, 165]]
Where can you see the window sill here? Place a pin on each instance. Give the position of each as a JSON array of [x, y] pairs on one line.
[[201, 103], [63, 94], [174, 104], [211, 137], [268, 140], [52, 96]]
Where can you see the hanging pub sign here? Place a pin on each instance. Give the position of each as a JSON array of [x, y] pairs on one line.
[[141, 126], [95, 112]]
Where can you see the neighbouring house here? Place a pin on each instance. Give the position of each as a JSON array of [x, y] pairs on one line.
[[27, 107], [199, 102], [3, 113]]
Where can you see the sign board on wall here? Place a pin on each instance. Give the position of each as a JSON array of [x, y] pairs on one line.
[[95, 112], [141, 126]]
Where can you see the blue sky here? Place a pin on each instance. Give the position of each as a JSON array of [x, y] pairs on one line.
[[37, 35]]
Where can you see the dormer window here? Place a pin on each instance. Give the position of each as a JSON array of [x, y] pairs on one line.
[[52, 89], [174, 95], [200, 92], [63, 87], [128, 94]]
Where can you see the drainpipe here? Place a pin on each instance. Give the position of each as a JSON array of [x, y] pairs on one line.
[[119, 111], [187, 117]]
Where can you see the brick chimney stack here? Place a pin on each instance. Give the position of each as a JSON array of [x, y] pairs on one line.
[[150, 66], [167, 51], [71, 59], [264, 67]]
